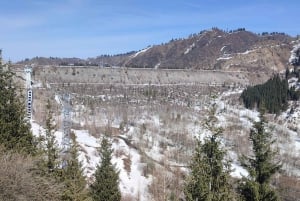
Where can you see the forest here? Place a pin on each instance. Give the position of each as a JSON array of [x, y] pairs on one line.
[[272, 95]]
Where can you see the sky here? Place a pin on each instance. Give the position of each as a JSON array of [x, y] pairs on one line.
[[89, 28]]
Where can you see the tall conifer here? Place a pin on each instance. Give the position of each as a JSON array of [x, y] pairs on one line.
[[15, 131], [261, 166], [48, 146], [209, 178], [106, 184], [73, 177]]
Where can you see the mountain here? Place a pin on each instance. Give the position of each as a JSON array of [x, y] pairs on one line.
[[212, 49]]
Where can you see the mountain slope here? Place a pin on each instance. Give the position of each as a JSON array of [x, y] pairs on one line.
[[218, 50], [214, 49]]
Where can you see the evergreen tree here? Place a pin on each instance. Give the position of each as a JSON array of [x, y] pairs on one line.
[[106, 185], [209, 178], [49, 147], [52, 151], [15, 131], [261, 166], [73, 178]]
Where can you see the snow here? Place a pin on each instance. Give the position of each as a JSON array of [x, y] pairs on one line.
[[223, 48], [238, 171], [189, 48], [88, 151], [293, 82], [38, 130], [132, 183], [224, 58], [247, 52], [157, 65], [294, 58], [129, 161], [57, 99], [139, 52]]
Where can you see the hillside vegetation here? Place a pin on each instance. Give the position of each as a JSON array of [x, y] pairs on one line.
[[273, 95]]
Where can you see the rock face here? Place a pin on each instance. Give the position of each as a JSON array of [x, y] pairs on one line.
[[208, 50]]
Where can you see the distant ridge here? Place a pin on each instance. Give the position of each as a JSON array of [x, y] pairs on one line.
[[213, 49]]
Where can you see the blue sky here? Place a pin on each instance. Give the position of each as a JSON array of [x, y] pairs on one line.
[[88, 28]]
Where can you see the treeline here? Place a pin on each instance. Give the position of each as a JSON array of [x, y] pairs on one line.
[[273, 33], [273, 95]]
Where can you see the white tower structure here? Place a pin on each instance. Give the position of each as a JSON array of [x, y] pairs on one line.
[[28, 71]]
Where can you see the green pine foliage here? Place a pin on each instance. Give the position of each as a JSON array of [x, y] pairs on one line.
[[48, 146], [70, 177], [274, 94], [15, 131], [52, 150], [261, 166], [106, 184], [210, 171], [75, 186]]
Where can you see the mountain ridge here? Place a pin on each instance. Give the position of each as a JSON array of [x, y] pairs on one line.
[[213, 49]]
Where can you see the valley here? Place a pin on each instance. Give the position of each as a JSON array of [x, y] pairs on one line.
[[153, 117]]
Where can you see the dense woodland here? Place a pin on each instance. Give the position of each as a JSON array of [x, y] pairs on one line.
[[273, 95]]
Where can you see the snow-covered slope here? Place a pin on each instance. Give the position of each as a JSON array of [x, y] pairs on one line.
[[294, 58], [154, 139], [126, 159]]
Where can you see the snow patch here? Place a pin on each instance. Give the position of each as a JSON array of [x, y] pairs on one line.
[[224, 58], [247, 52], [142, 51], [238, 171], [132, 182], [157, 65], [189, 48], [57, 99], [294, 58], [223, 48]]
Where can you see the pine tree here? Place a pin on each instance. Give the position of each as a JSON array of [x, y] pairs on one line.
[[51, 144], [209, 178], [15, 131], [73, 178], [49, 147], [106, 185], [261, 166]]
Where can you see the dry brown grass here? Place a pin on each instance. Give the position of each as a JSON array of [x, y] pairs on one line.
[[19, 181], [289, 188]]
